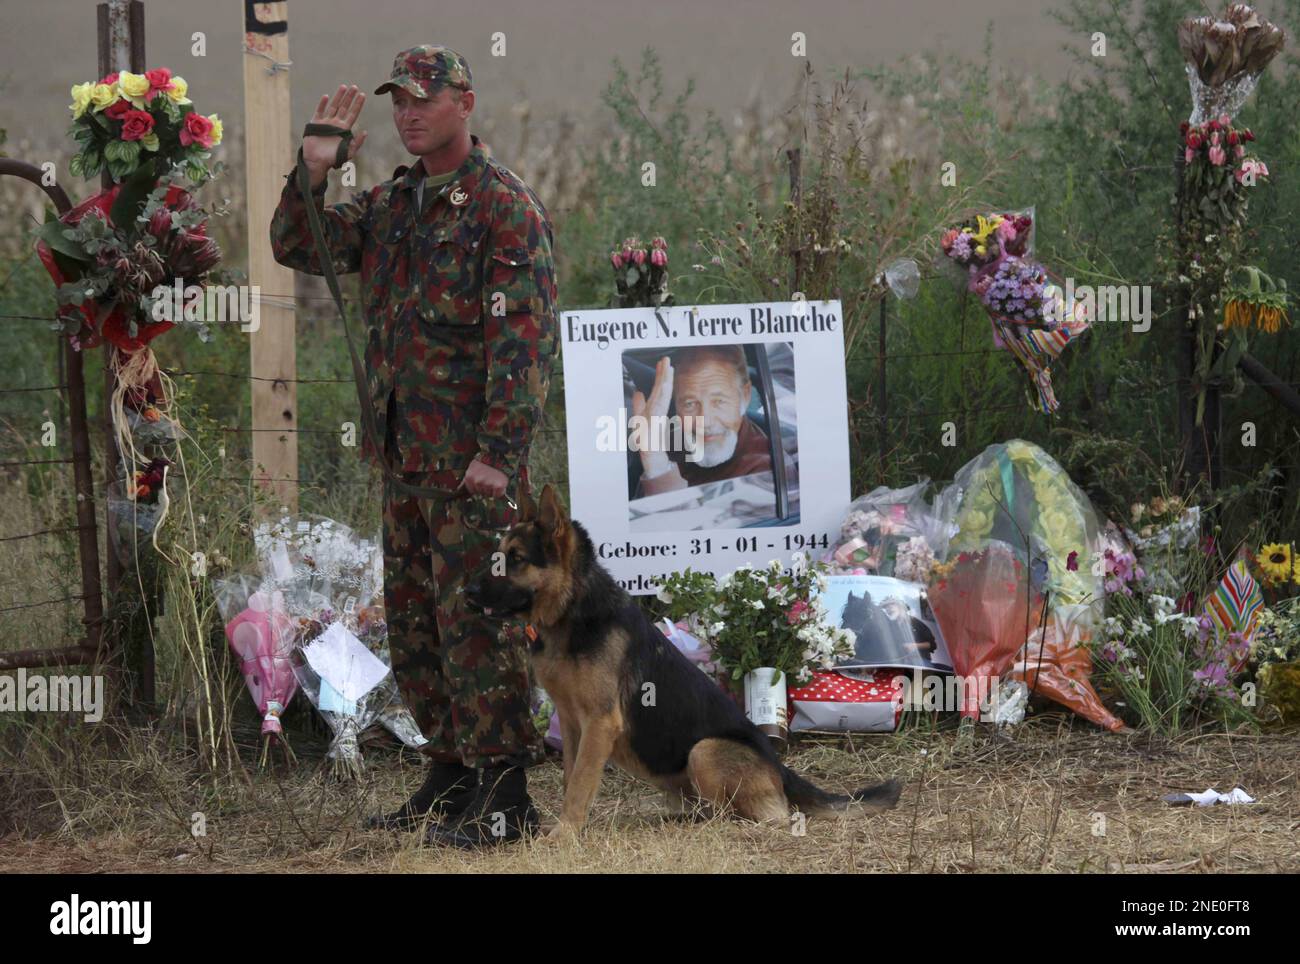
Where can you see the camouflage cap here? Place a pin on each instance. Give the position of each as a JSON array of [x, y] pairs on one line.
[[423, 69]]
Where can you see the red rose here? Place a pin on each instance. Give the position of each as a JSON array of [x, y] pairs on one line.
[[1184, 127], [160, 79], [136, 124], [1232, 137], [1215, 125], [118, 109], [1194, 139], [196, 129], [110, 79], [1247, 134]]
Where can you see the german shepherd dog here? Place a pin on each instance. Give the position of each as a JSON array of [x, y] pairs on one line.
[[625, 694]]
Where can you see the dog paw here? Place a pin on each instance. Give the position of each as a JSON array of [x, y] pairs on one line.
[[558, 835]]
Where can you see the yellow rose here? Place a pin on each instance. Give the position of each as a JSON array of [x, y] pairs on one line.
[[976, 523], [216, 129], [1020, 451], [178, 91], [102, 95], [80, 99], [133, 87]]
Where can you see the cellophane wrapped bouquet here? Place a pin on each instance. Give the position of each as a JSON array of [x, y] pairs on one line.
[[329, 587], [993, 254]]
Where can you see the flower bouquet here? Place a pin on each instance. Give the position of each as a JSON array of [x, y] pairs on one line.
[[762, 625], [136, 509], [986, 608], [1275, 657], [1016, 493], [1028, 312], [331, 578], [1225, 57], [641, 275], [261, 636], [891, 532], [113, 255]]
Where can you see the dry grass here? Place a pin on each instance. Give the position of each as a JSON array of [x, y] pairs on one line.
[[973, 803]]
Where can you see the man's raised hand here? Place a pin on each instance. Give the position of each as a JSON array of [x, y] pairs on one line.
[[341, 110], [654, 459]]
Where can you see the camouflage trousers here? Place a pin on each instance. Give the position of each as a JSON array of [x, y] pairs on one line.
[[464, 678]]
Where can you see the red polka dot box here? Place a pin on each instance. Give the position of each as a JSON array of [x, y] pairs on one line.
[[841, 704]]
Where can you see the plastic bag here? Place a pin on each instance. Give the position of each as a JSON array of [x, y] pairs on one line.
[[985, 606], [888, 530], [261, 636], [1017, 493], [1058, 664]]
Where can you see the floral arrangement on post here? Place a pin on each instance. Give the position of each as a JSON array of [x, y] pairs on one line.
[[760, 618], [118, 257], [1225, 57], [641, 275]]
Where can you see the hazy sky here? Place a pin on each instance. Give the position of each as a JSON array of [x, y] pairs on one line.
[[558, 51]]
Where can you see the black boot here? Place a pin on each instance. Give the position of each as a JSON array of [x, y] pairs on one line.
[[447, 791], [500, 812]]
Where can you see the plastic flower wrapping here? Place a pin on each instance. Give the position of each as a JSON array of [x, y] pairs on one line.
[[1015, 497], [329, 628], [1017, 493], [1225, 57], [984, 604], [892, 532], [1029, 314]]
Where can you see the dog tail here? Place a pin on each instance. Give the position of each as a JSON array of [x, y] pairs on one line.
[[811, 798]]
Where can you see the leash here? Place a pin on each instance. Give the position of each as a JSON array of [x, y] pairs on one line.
[[368, 424]]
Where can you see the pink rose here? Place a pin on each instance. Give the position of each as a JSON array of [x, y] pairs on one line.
[[1240, 152], [136, 124], [160, 80], [616, 259], [638, 256], [795, 612], [196, 129], [1217, 155], [659, 257], [1191, 155]]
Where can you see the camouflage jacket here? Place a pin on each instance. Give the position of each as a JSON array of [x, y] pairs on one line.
[[460, 306]]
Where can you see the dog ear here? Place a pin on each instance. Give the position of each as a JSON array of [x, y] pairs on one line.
[[553, 516], [527, 508]]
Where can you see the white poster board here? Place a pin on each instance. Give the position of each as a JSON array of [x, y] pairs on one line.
[[750, 449]]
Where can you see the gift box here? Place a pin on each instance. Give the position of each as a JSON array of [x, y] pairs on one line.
[[833, 701]]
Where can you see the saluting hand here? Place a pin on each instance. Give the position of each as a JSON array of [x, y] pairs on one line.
[[341, 110]]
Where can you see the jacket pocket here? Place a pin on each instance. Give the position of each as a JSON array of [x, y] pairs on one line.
[[510, 286], [447, 278]]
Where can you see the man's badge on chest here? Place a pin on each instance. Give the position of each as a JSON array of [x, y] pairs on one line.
[[458, 197]]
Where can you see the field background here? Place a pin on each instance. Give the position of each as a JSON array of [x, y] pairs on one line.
[[1006, 90]]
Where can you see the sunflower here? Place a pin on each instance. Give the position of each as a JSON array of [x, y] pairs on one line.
[[1275, 563]]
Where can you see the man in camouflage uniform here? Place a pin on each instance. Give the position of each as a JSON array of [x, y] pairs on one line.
[[459, 295]]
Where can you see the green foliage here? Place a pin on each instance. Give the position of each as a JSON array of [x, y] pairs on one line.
[[759, 618]]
